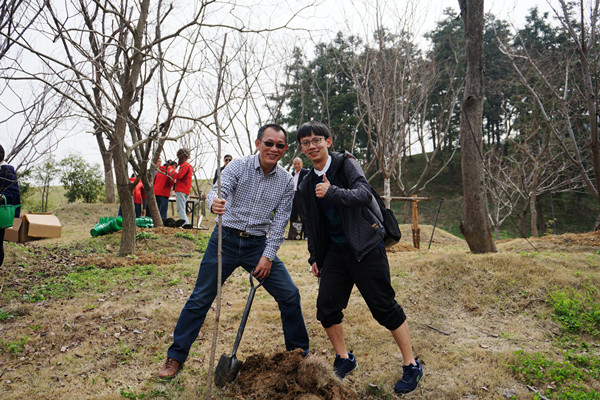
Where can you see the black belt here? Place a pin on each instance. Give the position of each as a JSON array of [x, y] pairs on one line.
[[239, 233]]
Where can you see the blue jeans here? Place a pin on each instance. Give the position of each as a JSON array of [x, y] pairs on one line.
[[244, 252], [163, 205]]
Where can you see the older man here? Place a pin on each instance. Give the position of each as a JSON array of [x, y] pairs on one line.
[[256, 201], [296, 231]]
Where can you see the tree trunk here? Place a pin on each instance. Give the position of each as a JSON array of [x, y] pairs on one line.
[[533, 212], [151, 199], [107, 158], [387, 191], [120, 160], [475, 227], [124, 190], [541, 220]]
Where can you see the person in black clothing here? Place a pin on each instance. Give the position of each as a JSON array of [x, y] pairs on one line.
[[9, 190], [296, 231], [226, 160], [346, 246]]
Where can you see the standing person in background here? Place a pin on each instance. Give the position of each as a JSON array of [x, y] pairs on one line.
[[183, 183], [163, 183], [298, 173], [345, 242], [226, 160], [139, 198], [9, 190]]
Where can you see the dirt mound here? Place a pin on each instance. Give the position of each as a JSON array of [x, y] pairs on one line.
[[164, 230], [287, 376], [400, 247], [568, 242]]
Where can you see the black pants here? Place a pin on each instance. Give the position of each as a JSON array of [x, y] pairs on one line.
[[341, 271], [1, 246]]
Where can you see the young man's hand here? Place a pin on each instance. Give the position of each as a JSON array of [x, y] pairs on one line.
[[322, 188], [315, 270], [218, 206]]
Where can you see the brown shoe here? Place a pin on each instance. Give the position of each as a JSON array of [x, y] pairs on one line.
[[170, 369]]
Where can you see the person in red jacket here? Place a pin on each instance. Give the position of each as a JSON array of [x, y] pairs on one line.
[[163, 183], [183, 183], [139, 197]]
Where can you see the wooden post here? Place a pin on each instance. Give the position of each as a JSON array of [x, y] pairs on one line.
[[415, 223], [416, 231]]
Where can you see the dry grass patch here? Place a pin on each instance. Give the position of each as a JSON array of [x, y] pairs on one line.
[[468, 315]]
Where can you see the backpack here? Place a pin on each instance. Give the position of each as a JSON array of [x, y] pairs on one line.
[[387, 218], [383, 214]]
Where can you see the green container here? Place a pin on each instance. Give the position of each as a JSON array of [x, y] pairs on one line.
[[144, 222], [7, 214], [107, 225]]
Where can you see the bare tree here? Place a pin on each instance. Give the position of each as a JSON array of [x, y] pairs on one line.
[[394, 84], [475, 226], [569, 103], [16, 17], [34, 126], [502, 196], [386, 89]]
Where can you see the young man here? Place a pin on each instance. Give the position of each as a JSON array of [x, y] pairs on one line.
[[345, 242], [255, 206], [298, 173]]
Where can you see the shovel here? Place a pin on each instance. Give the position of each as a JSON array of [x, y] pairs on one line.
[[228, 367]]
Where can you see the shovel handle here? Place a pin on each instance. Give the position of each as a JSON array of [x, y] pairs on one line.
[[260, 281], [240, 332]]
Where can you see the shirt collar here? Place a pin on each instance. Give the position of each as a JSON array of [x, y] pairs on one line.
[[327, 165]]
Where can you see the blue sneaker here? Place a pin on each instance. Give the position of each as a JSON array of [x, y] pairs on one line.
[[343, 366], [411, 376]]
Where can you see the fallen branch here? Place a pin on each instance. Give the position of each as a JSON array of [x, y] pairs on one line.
[[437, 330], [534, 390]]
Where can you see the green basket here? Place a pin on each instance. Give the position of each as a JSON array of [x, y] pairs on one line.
[[7, 214]]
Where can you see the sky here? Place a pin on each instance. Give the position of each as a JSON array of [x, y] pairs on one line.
[[323, 21]]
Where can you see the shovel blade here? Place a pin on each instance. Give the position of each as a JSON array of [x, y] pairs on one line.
[[226, 370]]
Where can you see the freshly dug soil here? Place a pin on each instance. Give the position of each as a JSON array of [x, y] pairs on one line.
[[287, 376]]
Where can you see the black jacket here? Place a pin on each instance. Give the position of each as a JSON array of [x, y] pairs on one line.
[[351, 193], [9, 187]]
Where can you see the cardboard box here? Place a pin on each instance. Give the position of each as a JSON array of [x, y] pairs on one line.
[[34, 226], [12, 234]]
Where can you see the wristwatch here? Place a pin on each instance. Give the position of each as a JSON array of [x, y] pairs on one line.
[[270, 259]]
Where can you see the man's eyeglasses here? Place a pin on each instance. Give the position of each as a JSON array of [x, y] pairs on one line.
[[227, 159], [316, 140], [280, 146]]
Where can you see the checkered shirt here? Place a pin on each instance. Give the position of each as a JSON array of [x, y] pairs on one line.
[[254, 203]]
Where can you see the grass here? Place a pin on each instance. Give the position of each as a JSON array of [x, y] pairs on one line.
[[577, 311], [72, 312]]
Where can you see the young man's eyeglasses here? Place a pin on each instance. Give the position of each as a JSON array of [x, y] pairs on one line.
[[280, 146], [316, 140], [227, 159]]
